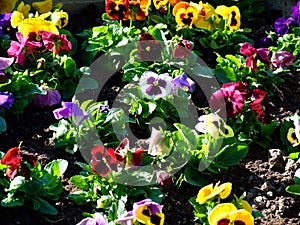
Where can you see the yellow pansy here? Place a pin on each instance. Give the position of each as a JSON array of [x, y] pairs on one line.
[[227, 213], [36, 25], [210, 191], [206, 24], [24, 9], [186, 14], [43, 6], [174, 2], [206, 10], [293, 137], [231, 15], [7, 6], [160, 3], [60, 19], [16, 19]]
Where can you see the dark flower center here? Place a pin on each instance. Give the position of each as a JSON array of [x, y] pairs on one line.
[[224, 222], [155, 219], [238, 222]]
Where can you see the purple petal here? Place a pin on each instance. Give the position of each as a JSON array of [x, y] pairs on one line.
[[5, 62], [6, 99]]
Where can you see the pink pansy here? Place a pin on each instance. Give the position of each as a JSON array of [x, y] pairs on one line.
[[256, 105]]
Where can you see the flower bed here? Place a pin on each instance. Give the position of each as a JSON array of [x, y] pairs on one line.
[[173, 93]]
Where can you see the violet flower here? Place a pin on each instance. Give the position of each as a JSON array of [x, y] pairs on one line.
[[184, 82], [52, 97], [71, 109], [281, 25], [126, 219], [103, 108], [6, 100], [296, 12], [154, 85], [96, 220], [282, 58], [4, 21], [266, 42], [5, 62]]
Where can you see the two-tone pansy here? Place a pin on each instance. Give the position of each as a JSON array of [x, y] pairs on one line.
[[186, 14], [209, 192], [139, 9], [206, 16], [231, 15], [214, 126], [227, 213], [293, 135], [117, 9]]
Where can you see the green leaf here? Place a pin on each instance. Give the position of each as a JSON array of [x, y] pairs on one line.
[[231, 155], [69, 67], [157, 19], [46, 207], [80, 182], [56, 167], [16, 183], [32, 187], [194, 177], [155, 194], [293, 189], [86, 83], [10, 201]]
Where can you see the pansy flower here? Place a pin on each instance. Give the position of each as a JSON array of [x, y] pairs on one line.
[[210, 191], [52, 97], [293, 135], [117, 9], [96, 220], [281, 25], [183, 49], [253, 55], [6, 100], [71, 109], [206, 13], [149, 49], [296, 12], [5, 62], [282, 58], [103, 160], [184, 82], [266, 42], [60, 19], [227, 213], [257, 104], [139, 9], [36, 25], [231, 14], [214, 126], [43, 6], [126, 219], [17, 159], [148, 212], [229, 100], [160, 3], [154, 85], [56, 43], [24, 9], [4, 21], [186, 14]]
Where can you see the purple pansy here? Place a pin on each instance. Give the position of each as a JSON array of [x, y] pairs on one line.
[[96, 220], [52, 97], [266, 42], [282, 58], [296, 12], [281, 25], [6, 100], [154, 85], [4, 21], [71, 109], [103, 108], [147, 211], [126, 219], [184, 82], [5, 62]]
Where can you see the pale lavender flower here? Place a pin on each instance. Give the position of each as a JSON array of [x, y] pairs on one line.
[[126, 219], [71, 109], [5, 62], [154, 85], [282, 58], [96, 220]]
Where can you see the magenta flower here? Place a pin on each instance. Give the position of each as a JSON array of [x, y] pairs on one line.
[[52, 97], [154, 85], [256, 105], [71, 109], [253, 55], [184, 82], [56, 43], [25, 45], [183, 49], [282, 58], [228, 101], [6, 100], [96, 220]]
